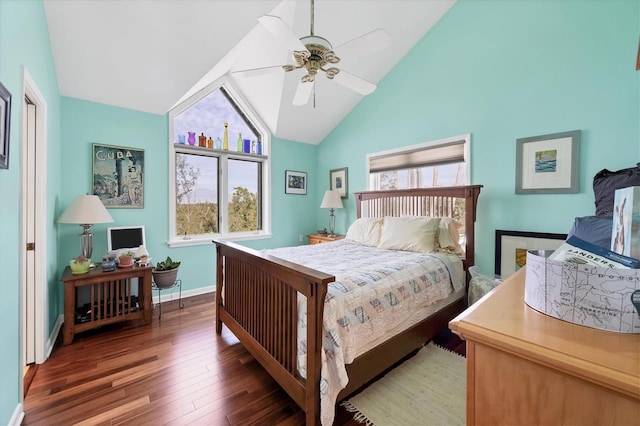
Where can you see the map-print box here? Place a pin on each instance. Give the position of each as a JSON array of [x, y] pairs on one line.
[[625, 232], [582, 294]]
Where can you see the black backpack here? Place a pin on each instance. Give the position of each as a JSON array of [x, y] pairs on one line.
[[605, 183]]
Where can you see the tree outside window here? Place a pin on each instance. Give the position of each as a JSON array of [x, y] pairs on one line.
[[218, 191]]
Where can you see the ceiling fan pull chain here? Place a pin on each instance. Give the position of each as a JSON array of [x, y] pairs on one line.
[[314, 92]]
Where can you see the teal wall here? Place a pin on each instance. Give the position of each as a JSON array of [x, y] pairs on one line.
[[24, 41], [85, 123], [501, 71], [498, 70], [293, 215]]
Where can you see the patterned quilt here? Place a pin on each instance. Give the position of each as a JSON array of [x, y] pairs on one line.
[[375, 291]]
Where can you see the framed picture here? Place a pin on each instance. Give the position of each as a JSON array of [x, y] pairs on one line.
[[295, 182], [548, 164], [339, 181], [5, 121], [118, 176], [512, 246]]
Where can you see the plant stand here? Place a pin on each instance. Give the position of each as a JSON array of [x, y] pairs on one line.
[[177, 283]]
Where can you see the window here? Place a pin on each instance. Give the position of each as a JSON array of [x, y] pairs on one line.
[[216, 191], [439, 163]]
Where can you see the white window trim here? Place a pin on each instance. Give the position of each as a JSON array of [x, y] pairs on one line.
[[194, 240], [431, 144]]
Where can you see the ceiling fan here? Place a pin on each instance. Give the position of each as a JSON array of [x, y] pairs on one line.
[[315, 54]]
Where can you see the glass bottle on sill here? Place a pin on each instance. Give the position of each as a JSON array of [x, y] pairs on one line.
[[218, 144], [225, 137], [192, 138], [210, 143], [239, 143], [259, 147]]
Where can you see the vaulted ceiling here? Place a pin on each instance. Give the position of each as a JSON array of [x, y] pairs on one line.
[[148, 55]]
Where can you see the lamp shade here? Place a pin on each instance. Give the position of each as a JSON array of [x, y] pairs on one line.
[[86, 209], [331, 200]]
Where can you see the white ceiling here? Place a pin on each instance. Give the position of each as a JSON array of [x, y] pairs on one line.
[[147, 55]]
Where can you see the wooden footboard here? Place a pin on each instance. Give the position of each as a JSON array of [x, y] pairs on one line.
[[257, 299]]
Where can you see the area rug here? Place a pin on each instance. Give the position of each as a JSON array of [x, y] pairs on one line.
[[427, 389]]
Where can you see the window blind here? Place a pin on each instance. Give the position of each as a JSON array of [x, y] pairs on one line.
[[442, 154]]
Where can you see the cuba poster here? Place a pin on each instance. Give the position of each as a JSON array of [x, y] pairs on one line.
[[118, 174]]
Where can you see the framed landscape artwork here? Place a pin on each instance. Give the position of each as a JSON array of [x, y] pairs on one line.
[[118, 176], [548, 164], [295, 182], [339, 181], [512, 247]]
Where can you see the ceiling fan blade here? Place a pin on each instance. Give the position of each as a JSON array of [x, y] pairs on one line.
[[366, 43], [276, 26], [303, 92], [355, 83]]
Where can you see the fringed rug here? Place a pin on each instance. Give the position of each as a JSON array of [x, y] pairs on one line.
[[427, 389]]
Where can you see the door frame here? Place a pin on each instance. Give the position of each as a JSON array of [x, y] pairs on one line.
[[31, 90]]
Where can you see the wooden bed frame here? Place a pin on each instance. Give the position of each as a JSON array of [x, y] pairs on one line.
[[260, 299]]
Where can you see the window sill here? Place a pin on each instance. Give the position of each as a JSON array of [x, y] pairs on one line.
[[200, 240]]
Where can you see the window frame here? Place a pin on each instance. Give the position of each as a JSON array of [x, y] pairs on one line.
[[223, 157], [466, 138]]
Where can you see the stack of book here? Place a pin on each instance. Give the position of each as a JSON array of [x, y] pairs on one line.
[[576, 250]]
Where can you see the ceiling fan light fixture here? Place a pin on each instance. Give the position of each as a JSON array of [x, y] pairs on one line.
[[313, 53], [320, 41]]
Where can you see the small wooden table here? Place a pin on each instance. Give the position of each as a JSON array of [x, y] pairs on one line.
[[528, 368], [110, 298], [323, 238]]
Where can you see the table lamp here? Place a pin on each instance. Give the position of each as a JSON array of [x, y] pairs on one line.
[[331, 201], [86, 210]]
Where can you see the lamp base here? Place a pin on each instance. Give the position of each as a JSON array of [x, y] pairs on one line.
[[332, 223], [86, 241]]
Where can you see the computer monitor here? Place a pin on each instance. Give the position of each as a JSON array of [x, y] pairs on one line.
[[121, 238]]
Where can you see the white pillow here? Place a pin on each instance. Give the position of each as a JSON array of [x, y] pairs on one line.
[[449, 235], [410, 233], [365, 230]]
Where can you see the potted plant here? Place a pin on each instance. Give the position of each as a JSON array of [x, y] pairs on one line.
[[80, 265], [125, 259], [165, 273], [108, 263]]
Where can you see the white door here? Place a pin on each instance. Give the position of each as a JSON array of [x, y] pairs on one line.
[[29, 308], [35, 347]]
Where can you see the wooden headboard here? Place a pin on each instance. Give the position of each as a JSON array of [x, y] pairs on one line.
[[458, 202]]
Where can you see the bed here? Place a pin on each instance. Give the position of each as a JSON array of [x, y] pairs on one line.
[[258, 298]]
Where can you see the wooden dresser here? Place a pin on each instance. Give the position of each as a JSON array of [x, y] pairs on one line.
[[527, 368]]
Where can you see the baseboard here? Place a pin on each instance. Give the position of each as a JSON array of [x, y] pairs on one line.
[[18, 416], [54, 336], [174, 293]]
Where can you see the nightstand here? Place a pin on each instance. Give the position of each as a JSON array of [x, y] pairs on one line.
[[323, 238]]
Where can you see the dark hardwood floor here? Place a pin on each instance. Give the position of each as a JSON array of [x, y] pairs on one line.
[[177, 371]]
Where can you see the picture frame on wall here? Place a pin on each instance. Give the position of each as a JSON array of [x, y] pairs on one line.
[[5, 126], [339, 181], [118, 176], [512, 247], [548, 164], [295, 182]]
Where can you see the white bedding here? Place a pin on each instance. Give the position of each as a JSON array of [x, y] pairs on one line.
[[376, 294]]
